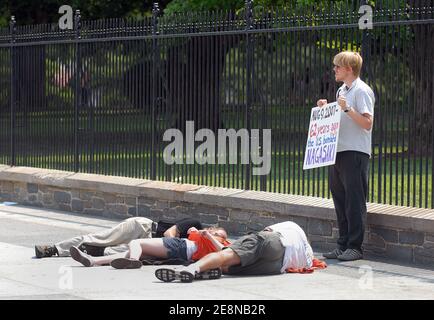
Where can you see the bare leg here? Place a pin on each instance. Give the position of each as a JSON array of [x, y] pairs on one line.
[[138, 249], [105, 260], [147, 247], [89, 261], [222, 259]]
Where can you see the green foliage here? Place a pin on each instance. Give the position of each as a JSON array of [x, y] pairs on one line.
[[202, 5], [236, 5], [4, 20], [46, 11]]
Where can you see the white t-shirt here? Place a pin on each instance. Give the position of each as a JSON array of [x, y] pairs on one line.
[[191, 248], [352, 137], [298, 252]]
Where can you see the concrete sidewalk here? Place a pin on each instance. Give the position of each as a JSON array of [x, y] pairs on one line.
[[23, 277]]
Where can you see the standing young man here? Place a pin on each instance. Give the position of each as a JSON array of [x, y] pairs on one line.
[[348, 178]]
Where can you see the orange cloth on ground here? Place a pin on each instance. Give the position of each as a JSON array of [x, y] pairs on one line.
[[316, 264], [204, 245]]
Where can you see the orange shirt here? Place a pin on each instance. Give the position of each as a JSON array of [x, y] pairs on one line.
[[204, 245]]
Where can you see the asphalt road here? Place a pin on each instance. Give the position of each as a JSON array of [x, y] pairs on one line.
[[24, 277]]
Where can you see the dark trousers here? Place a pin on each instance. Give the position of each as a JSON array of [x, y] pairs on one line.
[[348, 180]]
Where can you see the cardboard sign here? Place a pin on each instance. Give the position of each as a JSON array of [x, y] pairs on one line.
[[322, 139]]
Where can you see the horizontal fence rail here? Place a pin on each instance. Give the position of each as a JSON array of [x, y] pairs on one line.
[[99, 98]]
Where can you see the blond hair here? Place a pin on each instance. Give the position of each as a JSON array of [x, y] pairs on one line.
[[349, 59]]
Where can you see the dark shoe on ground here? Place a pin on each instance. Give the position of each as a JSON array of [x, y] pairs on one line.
[[126, 263], [45, 251], [81, 257], [209, 275], [91, 250], [169, 275], [351, 255], [333, 254]]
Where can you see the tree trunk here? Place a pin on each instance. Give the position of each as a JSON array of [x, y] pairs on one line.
[[193, 80], [30, 73]]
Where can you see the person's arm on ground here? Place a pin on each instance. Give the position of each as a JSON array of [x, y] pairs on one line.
[[192, 229], [217, 245], [184, 225], [172, 232], [206, 234]]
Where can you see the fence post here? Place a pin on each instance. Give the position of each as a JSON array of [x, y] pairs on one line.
[[249, 83], [12, 30], [365, 50], [366, 71], [77, 89], [155, 64]]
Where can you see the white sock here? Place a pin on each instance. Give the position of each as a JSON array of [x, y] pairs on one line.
[[192, 268]]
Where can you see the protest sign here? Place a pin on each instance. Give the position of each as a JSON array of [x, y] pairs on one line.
[[322, 140]]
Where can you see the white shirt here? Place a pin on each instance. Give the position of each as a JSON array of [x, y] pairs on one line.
[[298, 252], [352, 137], [191, 248]]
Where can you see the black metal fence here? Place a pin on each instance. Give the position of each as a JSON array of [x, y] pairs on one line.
[[98, 98]]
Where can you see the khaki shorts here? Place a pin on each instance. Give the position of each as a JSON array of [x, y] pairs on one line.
[[260, 253]]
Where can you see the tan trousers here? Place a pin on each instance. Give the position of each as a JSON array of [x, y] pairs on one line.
[[116, 238]]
